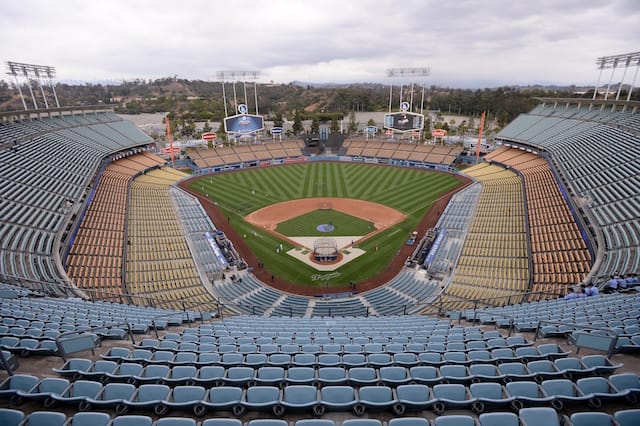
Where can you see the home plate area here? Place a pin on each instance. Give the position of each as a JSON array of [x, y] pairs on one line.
[[304, 253]]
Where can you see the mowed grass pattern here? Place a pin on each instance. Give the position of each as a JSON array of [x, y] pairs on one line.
[[411, 191], [343, 225]]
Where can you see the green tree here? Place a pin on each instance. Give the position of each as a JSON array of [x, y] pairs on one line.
[[335, 127], [315, 125], [278, 121], [371, 122], [297, 123], [353, 124]]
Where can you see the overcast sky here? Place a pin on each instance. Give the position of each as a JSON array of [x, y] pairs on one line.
[[466, 43]]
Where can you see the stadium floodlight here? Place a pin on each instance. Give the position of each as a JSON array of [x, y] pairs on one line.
[[32, 72], [625, 60], [234, 76], [408, 72]]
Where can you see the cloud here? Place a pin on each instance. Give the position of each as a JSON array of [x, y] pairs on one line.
[[466, 43]]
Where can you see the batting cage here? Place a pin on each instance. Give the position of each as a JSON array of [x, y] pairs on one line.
[[325, 250]]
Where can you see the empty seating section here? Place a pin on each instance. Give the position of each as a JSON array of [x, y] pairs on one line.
[[200, 231], [618, 312], [559, 254], [46, 166], [96, 258], [158, 262], [247, 154], [43, 319], [493, 262], [411, 153], [595, 148]]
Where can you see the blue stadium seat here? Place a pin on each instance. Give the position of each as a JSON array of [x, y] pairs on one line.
[[394, 375], [174, 421], [590, 419], [302, 398], [17, 383], [563, 392], [182, 397], [43, 390], [489, 396], [300, 376], [539, 416], [424, 374], [338, 398], [485, 373], [222, 422], [224, 398], [375, 398], [450, 396], [10, 417], [112, 395], [45, 418], [333, 376], [627, 417], [147, 397], [361, 422], [240, 376], [89, 418], [210, 375], [76, 393], [264, 398], [73, 367], [409, 421], [526, 394], [498, 419], [314, 422], [132, 420], [454, 420], [153, 373]]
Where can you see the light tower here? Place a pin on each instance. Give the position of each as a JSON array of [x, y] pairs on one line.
[[31, 73]]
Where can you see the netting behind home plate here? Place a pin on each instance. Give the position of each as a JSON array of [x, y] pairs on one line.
[[325, 249]]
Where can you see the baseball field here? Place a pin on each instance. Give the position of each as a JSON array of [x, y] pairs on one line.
[[407, 193]]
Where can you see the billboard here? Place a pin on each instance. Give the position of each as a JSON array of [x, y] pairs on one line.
[[243, 123], [404, 121]]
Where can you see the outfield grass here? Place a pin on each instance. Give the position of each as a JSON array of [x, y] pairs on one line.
[[411, 191], [343, 225]]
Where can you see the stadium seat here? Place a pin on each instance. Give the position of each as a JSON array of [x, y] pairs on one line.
[[89, 418], [264, 398], [375, 398], [338, 398], [450, 396], [45, 418], [333, 376], [147, 397], [409, 421], [222, 422], [182, 397], [174, 421], [539, 416], [17, 383], [10, 417], [590, 419], [302, 398], [131, 420], [627, 417], [414, 396], [224, 398], [112, 395], [43, 390], [498, 419], [454, 420], [488, 396]]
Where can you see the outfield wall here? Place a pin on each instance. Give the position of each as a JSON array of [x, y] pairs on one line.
[[342, 158]]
